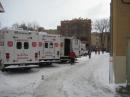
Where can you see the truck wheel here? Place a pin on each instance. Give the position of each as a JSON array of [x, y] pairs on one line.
[[3, 70], [49, 63], [28, 68], [40, 65]]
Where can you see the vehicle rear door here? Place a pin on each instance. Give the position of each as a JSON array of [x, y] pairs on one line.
[[22, 47], [49, 47]]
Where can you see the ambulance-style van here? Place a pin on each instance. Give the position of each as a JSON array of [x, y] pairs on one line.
[[76, 46], [50, 49], [69, 44], [65, 48], [18, 48], [83, 50]]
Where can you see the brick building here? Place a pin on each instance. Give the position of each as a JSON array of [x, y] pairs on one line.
[[80, 28]]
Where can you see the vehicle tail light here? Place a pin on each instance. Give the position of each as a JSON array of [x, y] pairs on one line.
[[56, 44], [36, 55], [7, 55], [34, 44]]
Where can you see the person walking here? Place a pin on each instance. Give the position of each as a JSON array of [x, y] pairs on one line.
[[98, 50], [72, 57], [89, 53]]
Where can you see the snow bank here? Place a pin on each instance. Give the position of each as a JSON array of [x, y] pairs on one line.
[[87, 78]]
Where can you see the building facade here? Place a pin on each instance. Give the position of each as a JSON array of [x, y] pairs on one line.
[[80, 28], [96, 40], [120, 27]]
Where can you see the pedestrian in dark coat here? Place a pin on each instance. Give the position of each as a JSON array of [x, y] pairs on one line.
[[72, 57], [89, 53]]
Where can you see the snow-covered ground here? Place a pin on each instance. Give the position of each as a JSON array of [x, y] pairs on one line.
[[87, 78]]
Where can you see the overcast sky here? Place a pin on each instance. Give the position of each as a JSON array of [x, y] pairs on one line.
[[49, 13]]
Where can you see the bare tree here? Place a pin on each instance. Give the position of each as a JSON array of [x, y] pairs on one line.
[[15, 25], [23, 26], [101, 26], [40, 29], [33, 26]]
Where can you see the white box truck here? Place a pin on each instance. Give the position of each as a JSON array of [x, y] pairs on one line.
[[18, 48], [83, 50], [76, 46], [50, 49], [69, 44], [65, 48]]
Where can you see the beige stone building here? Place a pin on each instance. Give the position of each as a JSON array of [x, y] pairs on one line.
[[107, 41], [96, 40], [120, 16]]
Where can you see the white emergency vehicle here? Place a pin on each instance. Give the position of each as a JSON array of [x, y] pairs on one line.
[[69, 44], [65, 48], [83, 50], [18, 48], [76, 46], [50, 49]]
